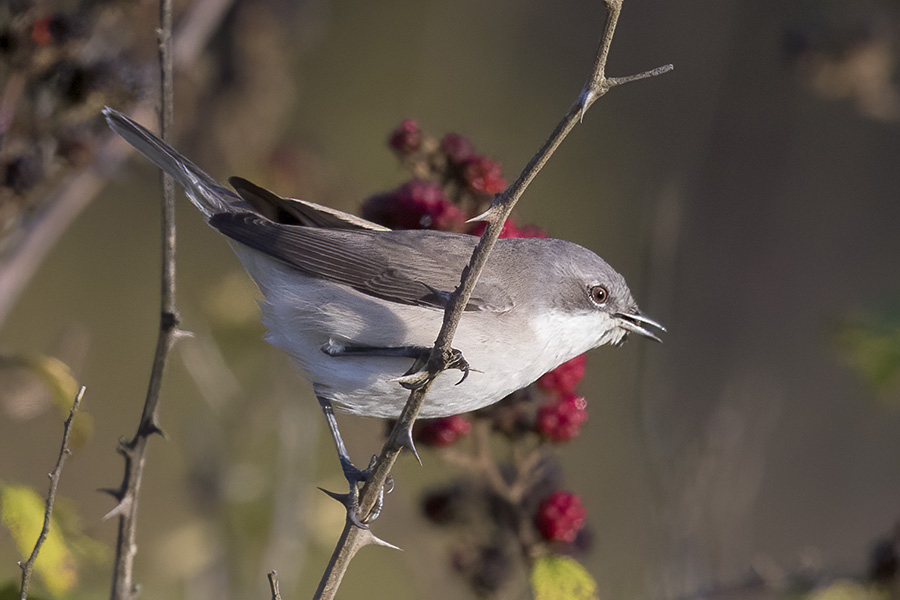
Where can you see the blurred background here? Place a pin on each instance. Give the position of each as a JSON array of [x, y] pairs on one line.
[[750, 198]]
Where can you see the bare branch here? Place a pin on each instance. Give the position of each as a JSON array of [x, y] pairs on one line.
[[123, 587], [273, 585], [441, 355], [64, 452]]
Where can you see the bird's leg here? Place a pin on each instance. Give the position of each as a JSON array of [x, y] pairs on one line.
[[413, 376], [416, 352], [352, 474]]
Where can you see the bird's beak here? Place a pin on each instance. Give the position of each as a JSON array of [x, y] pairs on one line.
[[636, 322]]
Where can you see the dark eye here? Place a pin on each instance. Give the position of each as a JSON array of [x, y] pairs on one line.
[[599, 295]]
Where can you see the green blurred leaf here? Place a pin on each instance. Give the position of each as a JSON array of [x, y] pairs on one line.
[[871, 345], [84, 548], [54, 373], [562, 578], [63, 387], [844, 589], [22, 513], [10, 591]]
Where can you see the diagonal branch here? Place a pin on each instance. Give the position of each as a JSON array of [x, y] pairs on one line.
[[596, 86], [64, 452]]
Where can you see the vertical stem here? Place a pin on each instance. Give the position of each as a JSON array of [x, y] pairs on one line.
[[123, 587]]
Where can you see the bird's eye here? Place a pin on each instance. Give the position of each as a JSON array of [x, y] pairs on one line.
[[599, 295]]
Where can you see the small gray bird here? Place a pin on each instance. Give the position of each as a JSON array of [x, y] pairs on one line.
[[358, 305]]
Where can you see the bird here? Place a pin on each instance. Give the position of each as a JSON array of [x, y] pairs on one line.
[[358, 306]]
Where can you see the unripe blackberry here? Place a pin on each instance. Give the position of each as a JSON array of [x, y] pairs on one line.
[[561, 418], [560, 517]]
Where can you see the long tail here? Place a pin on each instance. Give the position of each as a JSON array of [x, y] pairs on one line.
[[204, 191]]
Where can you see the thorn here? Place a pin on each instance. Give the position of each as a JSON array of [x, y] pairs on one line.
[[118, 494], [349, 502], [153, 427], [118, 510], [124, 448], [344, 499], [585, 98], [370, 538], [178, 334], [488, 216], [405, 441]]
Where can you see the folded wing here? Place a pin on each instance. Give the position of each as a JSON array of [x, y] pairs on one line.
[[419, 268]]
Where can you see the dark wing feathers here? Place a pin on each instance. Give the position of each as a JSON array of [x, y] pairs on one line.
[[289, 211], [380, 264]]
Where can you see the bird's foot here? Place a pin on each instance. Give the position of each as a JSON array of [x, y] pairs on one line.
[[355, 478]]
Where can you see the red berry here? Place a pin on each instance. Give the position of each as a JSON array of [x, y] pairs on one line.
[[442, 432], [561, 418], [483, 175], [40, 31], [457, 149], [417, 204], [565, 377], [406, 138], [560, 517]]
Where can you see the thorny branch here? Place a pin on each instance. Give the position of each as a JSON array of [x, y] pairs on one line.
[[64, 452], [123, 587], [598, 84]]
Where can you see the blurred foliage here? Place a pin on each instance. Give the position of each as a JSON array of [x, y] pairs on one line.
[[10, 591], [53, 84], [844, 589], [561, 578], [839, 51], [871, 344], [54, 376], [22, 513]]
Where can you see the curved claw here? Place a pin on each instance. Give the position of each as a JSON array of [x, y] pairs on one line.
[[413, 381], [465, 371], [353, 515], [458, 361]]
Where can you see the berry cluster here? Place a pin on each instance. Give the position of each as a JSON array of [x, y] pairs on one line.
[[451, 183], [58, 67], [517, 501]]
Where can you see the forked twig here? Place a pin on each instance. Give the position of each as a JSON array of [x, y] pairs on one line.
[[353, 538], [64, 452]]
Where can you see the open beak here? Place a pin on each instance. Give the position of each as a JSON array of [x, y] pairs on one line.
[[638, 323]]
